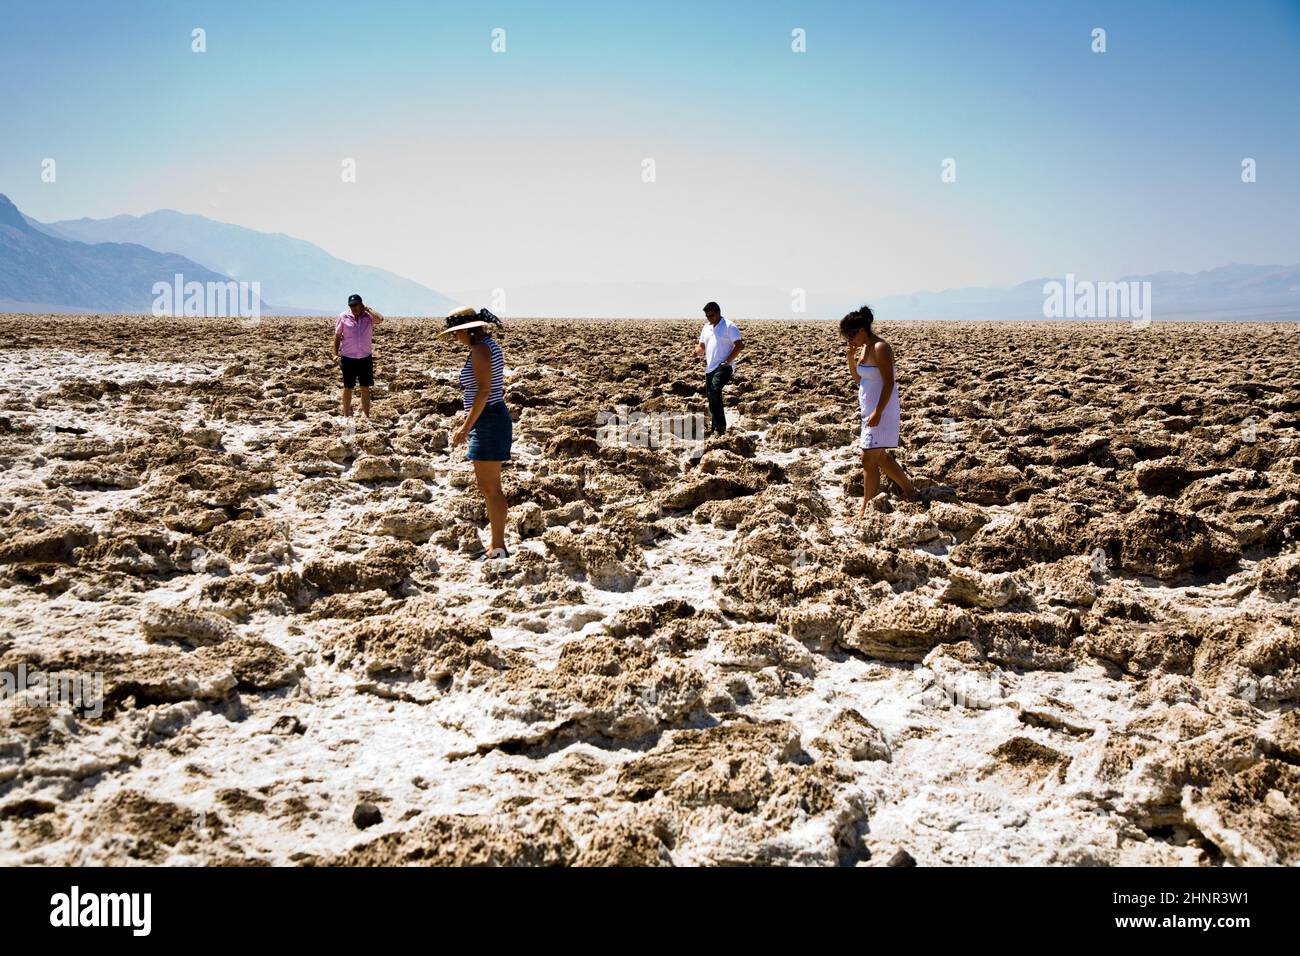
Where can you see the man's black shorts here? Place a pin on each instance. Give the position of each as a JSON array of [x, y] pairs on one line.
[[354, 370]]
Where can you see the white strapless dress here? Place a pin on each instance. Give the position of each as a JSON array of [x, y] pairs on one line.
[[884, 435]]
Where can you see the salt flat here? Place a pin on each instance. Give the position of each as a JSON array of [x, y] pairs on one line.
[[1081, 647]]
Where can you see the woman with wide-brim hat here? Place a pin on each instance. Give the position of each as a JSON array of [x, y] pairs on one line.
[[487, 426]]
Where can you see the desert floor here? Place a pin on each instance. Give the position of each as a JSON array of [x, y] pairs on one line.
[[1080, 647]]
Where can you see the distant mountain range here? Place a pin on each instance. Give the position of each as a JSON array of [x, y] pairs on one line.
[[112, 265], [43, 273], [1231, 292], [1261, 293], [295, 276]]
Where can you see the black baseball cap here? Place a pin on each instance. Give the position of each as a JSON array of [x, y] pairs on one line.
[[712, 307], [354, 299]]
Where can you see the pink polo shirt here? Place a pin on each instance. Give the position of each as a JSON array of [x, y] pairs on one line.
[[356, 334]]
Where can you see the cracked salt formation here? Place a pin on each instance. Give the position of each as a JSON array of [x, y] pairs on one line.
[[1080, 646]]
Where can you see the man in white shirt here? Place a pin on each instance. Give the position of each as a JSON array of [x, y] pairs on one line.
[[719, 344]]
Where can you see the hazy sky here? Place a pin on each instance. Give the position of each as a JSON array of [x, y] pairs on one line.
[[819, 170]]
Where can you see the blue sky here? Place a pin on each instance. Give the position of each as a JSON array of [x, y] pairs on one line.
[[819, 170]]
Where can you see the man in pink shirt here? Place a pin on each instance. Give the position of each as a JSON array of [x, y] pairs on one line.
[[351, 350]]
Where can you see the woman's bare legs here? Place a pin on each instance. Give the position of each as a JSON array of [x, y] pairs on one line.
[[874, 461], [890, 466], [870, 476], [488, 476]]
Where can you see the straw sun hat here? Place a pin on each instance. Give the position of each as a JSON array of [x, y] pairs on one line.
[[467, 318]]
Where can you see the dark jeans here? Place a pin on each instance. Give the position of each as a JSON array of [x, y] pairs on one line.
[[713, 383]]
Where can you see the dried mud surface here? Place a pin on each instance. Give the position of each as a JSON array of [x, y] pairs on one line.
[[1080, 647]]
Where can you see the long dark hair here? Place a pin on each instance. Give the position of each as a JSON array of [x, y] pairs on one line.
[[856, 321]]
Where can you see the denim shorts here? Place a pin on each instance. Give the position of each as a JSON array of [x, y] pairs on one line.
[[489, 439]]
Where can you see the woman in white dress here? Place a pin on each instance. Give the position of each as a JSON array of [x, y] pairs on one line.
[[871, 363]]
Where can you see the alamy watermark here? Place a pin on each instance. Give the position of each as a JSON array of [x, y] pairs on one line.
[[670, 430], [969, 689], [228, 299], [76, 909], [83, 692], [1083, 299]]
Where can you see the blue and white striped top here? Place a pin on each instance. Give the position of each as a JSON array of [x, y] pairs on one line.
[[469, 384]]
